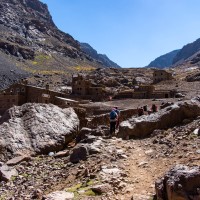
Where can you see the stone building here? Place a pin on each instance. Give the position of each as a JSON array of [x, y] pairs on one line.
[[161, 75], [124, 94], [21, 93], [144, 92], [84, 88]]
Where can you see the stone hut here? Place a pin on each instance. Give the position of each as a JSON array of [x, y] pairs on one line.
[[84, 88], [21, 93], [144, 92], [161, 75], [124, 94]]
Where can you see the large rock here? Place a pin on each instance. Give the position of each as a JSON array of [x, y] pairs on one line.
[[165, 118], [101, 130], [7, 172], [193, 77], [36, 128], [59, 195], [100, 189], [80, 152], [17, 160], [180, 183]]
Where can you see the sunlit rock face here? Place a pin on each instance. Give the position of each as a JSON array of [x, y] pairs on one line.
[[36, 129], [165, 118]]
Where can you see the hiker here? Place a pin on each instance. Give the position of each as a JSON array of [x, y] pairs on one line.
[[118, 114], [145, 108], [113, 121], [140, 111], [154, 108]]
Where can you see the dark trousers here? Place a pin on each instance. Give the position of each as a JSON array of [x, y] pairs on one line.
[[112, 127]]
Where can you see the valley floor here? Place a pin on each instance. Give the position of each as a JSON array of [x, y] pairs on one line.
[[127, 168]]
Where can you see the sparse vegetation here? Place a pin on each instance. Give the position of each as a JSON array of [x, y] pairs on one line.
[[83, 68]]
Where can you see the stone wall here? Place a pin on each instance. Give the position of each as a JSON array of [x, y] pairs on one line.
[[95, 121], [7, 101], [19, 94]]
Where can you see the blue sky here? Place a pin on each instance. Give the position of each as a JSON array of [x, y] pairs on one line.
[[132, 33]]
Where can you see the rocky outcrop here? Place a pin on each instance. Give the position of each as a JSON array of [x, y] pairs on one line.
[[165, 118], [17, 50], [31, 21], [180, 183], [36, 128], [193, 77], [32, 43]]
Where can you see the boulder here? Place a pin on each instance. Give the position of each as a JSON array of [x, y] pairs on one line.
[[82, 134], [37, 128], [59, 195], [17, 160], [85, 133], [7, 172], [180, 183], [197, 98], [61, 154], [179, 95], [103, 188], [163, 119], [89, 139], [165, 104], [80, 152]]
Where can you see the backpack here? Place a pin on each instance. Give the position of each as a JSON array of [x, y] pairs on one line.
[[117, 111], [113, 115]]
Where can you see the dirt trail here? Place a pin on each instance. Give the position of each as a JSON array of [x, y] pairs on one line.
[[141, 173], [145, 165]]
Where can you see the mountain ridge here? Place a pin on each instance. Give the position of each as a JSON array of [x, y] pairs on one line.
[[188, 55], [165, 60], [102, 58], [32, 42]]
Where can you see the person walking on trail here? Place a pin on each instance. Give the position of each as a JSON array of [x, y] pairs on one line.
[[113, 121], [140, 111], [154, 108], [145, 108], [118, 114]]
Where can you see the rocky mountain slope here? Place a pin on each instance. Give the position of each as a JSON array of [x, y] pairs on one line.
[[30, 42], [188, 56], [165, 60], [99, 57], [188, 51]]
